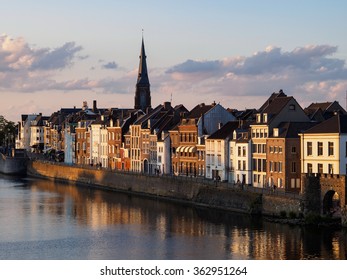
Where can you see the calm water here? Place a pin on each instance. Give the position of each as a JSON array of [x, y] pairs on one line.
[[41, 219]]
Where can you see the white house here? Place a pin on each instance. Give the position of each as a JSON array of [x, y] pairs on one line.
[[95, 142], [324, 147], [217, 152], [24, 132], [241, 157], [37, 133], [163, 154]]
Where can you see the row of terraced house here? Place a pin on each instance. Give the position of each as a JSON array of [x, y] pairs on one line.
[[266, 147]]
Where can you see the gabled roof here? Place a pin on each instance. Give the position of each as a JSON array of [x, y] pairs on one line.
[[225, 131], [276, 106], [199, 110], [324, 110], [271, 99], [335, 124], [292, 129]]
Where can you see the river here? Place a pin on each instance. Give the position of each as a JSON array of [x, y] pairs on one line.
[[42, 219]]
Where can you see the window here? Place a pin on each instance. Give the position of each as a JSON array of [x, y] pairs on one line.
[[255, 165], [320, 148], [271, 149], [320, 168], [293, 167], [219, 144], [309, 148], [239, 165], [280, 149], [293, 150], [239, 151], [271, 164], [243, 151], [331, 169], [280, 166], [219, 158], [258, 118], [264, 165], [265, 117], [309, 168], [331, 148], [263, 148], [259, 165]]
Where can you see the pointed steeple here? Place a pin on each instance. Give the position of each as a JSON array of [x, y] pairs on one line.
[[143, 92], [142, 77]]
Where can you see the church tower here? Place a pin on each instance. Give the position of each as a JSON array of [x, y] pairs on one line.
[[143, 92]]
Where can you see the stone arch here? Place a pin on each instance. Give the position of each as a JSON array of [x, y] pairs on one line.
[[331, 202]]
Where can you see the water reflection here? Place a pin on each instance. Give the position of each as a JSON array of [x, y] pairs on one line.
[[42, 219]]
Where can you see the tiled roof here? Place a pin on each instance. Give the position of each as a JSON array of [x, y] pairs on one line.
[[336, 124], [225, 131], [292, 129], [271, 99], [277, 105], [199, 110], [314, 106]]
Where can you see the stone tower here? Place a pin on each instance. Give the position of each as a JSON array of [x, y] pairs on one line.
[[143, 92]]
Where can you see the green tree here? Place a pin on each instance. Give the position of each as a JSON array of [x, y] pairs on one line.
[[7, 132]]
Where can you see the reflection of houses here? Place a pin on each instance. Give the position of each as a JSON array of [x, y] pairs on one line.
[[278, 108], [217, 152]]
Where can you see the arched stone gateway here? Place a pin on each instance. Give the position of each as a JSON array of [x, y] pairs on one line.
[[331, 203], [324, 194]]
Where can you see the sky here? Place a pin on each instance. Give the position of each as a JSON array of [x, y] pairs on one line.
[[57, 54]]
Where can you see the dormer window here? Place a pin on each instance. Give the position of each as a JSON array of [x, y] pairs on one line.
[[258, 118], [265, 117], [276, 132]]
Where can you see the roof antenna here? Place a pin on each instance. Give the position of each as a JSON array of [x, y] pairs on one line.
[[171, 98]]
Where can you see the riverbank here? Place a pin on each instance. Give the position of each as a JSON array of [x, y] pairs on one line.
[[187, 190]]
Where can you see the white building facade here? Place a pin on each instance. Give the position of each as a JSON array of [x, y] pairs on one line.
[[324, 147]]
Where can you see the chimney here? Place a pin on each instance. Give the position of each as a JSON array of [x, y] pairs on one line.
[[167, 105], [94, 106], [220, 125]]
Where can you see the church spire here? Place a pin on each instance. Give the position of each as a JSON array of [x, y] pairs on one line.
[[142, 77], [143, 92]]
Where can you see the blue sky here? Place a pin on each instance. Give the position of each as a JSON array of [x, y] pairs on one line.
[[57, 54]]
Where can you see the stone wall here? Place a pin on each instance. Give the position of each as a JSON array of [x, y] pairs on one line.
[[275, 205], [316, 187], [187, 190]]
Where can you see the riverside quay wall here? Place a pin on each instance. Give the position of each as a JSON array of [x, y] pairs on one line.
[[193, 191]]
